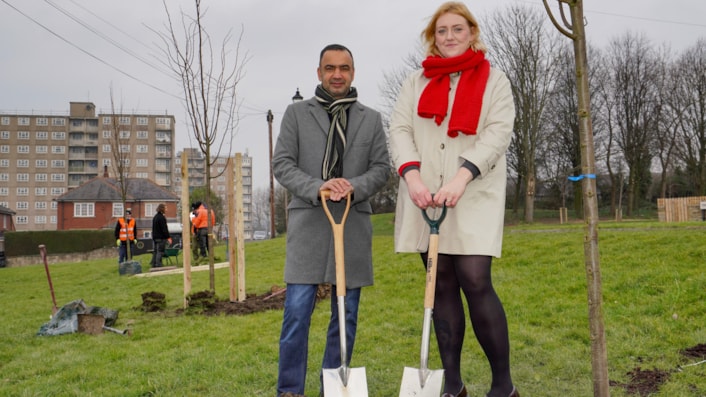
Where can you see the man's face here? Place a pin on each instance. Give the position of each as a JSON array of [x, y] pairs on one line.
[[336, 73]]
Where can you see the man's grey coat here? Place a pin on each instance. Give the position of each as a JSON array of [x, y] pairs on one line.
[[297, 164]]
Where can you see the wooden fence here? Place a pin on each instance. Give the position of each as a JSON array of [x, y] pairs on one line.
[[681, 209]]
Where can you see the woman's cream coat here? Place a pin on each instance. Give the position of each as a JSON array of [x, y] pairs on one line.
[[475, 225]]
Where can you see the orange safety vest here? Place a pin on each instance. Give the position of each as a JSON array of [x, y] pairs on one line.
[[201, 219], [127, 231]]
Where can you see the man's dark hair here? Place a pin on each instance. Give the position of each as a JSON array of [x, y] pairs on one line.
[[334, 47]]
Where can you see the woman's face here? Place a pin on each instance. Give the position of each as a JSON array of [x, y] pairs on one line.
[[453, 35]]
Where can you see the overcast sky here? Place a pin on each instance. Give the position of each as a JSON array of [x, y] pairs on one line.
[[54, 52]]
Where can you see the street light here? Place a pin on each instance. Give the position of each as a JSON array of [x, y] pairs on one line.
[[297, 97], [270, 118]]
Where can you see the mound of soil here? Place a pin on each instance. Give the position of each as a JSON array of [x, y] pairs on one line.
[[207, 303]]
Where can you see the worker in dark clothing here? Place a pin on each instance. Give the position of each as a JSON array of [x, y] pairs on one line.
[[160, 235]]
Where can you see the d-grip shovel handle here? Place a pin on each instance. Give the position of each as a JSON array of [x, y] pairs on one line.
[[432, 256], [337, 241]]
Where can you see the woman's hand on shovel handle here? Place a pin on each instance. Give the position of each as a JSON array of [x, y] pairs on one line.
[[339, 188]]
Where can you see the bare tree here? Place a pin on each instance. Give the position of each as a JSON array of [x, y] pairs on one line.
[[636, 73], [392, 82], [209, 79], [687, 108], [525, 50], [120, 149]]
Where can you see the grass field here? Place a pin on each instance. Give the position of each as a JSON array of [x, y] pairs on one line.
[[654, 289]]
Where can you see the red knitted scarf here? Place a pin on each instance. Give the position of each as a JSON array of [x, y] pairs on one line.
[[434, 101]]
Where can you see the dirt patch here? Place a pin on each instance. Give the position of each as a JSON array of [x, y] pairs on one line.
[[698, 352], [646, 382], [643, 382], [207, 303]]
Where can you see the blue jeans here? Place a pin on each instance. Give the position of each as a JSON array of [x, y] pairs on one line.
[[294, 340]]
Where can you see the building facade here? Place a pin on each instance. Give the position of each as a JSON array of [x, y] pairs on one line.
[[43, 156]]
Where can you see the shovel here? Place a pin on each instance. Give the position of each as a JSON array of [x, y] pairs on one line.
[[424, 382], [342, 381], [43, 254]]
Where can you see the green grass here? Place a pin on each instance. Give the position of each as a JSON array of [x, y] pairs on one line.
[[654, 289]]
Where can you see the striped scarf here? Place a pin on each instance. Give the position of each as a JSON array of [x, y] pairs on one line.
[[332, 166]]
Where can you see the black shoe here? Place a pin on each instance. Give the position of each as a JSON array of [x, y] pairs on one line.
[[462, 393]]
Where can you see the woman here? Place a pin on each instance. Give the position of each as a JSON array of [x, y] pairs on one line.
[[449, 132]]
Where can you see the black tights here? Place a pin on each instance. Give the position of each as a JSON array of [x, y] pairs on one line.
[[470, 274]]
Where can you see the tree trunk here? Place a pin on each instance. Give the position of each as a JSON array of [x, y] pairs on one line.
[[599, 355]]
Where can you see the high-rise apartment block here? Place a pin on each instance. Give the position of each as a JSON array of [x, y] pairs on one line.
[[42, 156]]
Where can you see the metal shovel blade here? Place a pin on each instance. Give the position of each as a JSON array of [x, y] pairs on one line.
[[356, 384], [421, 383]]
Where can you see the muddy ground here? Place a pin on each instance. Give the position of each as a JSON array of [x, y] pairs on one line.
[[641, 382]]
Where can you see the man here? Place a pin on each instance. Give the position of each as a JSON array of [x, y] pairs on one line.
[[125, 230], [200, 222], [160, 235], [329, 142]]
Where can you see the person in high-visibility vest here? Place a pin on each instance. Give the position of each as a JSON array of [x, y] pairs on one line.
[[200, 226], [125, 230]]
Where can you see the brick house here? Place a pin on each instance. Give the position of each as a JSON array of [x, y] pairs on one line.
[[97, 204], [6, 222]]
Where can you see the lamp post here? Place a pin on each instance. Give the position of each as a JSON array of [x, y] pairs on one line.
[[270, 118], [296, 98]]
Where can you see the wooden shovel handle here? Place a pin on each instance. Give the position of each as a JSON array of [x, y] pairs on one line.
[[432, 256], [337, 241]]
